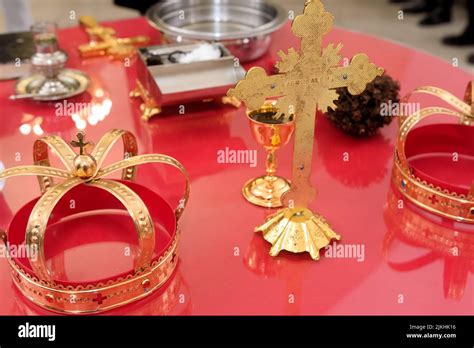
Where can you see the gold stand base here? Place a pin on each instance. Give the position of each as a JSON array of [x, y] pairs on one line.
[[266, 191], [297, 230]]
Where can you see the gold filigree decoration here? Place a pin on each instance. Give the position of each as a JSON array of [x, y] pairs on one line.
[[288, 61]]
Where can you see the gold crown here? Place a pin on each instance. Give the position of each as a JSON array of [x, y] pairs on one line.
[[85, 173], [431, 196]]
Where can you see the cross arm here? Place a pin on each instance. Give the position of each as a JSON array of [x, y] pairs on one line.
[[356, 76], [257, 87]]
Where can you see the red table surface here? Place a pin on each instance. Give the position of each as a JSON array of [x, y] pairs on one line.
[[224, 267]]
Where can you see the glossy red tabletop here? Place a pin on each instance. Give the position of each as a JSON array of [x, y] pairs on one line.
[[224, 266]]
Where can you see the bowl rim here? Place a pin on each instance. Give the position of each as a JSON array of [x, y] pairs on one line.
[[277, 22], [268, 108]]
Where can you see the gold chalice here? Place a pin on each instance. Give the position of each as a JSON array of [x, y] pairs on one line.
[[272, 134]]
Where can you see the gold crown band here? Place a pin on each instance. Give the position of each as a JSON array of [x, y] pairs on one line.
[[92, 176], [459, 207], [93, 298]]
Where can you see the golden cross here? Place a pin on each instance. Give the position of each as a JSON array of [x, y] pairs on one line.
[[80, 142], [306, 80], [104, 41]]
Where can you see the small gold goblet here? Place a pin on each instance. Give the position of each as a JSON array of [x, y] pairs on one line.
[[272, 134]]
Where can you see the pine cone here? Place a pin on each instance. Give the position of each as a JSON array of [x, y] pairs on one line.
[[359, 115]]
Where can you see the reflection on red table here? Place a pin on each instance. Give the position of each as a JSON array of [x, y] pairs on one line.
[[224, 267]]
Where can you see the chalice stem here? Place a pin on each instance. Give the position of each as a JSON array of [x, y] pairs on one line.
[[271, 163]]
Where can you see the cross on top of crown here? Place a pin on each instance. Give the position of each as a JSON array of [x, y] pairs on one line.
[[80, 143]]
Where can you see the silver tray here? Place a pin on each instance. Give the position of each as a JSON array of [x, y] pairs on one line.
[[243, 26]]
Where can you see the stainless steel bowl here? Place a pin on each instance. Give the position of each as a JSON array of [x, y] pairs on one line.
[[243, 26]]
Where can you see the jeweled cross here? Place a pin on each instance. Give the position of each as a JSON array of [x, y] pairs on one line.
[[306, 80], [80, 142]]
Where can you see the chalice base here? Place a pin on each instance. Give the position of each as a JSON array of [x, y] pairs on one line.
[[297, 230], [266, 191]]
